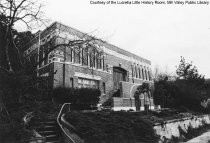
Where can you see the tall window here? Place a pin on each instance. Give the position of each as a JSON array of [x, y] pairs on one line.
[[139, 73], [84, 57], [69, 55], [136, 72], [77, 55], [149, 75], [104, 88], [142, 71], [98, 61], [146, 74], [71, 82], [92, 58], [41, 53], [133, 72], [103, 63]]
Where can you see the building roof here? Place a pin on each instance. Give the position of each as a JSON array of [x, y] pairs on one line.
[[110, 46], [81, 34]]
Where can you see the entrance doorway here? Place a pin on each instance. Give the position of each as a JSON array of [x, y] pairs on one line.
[[119, 74]]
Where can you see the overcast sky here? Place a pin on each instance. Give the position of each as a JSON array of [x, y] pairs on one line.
[[160, 33]]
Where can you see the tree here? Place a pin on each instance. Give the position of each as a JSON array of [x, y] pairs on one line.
[[189, 73], [184, 91], [13, 43], [159, 74], [17, 76], [12, 12]]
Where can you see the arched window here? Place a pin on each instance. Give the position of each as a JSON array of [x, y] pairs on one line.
[[142, 73], [146, 74], [136, 72], [84, 57], [77, 55], [99, 60], [149, 75]]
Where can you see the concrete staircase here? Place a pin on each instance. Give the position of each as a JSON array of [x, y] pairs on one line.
[[49, 129]]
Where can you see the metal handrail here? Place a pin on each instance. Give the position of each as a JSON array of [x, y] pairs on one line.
[[58, 120]]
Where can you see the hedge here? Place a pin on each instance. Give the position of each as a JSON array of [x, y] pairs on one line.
[[80, 98]]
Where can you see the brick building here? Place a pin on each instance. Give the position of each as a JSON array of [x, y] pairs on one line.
[[116, 69]]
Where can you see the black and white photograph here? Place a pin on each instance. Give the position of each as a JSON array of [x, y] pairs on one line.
[[104, 71]]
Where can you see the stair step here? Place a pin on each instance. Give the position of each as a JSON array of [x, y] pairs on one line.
[[52, 142], [47, 122], [45, 133], [47, 128], [51, 123], [52, 138]]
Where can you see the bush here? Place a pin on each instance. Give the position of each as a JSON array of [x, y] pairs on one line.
[[174, 94], [80, 98]]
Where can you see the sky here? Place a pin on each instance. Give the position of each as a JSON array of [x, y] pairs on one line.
[[159, 33]]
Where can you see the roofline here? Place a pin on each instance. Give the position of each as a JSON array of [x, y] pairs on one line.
[[106, 42], [56, 22]]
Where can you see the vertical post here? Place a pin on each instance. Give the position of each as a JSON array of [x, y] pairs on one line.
[[39, 43], [131, 101], [64, 67]]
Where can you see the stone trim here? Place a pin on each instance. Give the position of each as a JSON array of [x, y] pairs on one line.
[[87, 76]]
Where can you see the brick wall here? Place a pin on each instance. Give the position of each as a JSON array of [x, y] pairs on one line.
[[126, 90], [127, 102], [114, 57], [70, 71]]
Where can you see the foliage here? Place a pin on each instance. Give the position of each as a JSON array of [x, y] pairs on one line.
[[116, 93], [189, 73], [83, 98], [184, 91], [112, 127], [26, 12], [193, 132], [108, 102]]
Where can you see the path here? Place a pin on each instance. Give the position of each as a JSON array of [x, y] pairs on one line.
[[204, 138]]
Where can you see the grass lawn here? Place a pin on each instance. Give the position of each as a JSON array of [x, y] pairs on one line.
[[121, 126], [112, 127]]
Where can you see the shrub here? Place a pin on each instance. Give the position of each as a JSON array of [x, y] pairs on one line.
[[80, 98], [108, 102], [174, 94]]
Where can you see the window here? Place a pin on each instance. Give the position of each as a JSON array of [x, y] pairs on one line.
[[71, 82], [92, 59], [77, 55], [98, 61], [104, 88], [133, 73], [72, 56], [149, 75], [69, 55], [146, 74], [140, 73], [87, 83], [84, 57], [41, 54], [136, 71], [103, 63]]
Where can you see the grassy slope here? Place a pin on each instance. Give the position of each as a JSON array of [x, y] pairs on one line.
[[112, 127]]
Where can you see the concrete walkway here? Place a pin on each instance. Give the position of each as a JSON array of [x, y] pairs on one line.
[[204, 138]]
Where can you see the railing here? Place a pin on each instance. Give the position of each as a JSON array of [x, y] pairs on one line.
[[65, 108]]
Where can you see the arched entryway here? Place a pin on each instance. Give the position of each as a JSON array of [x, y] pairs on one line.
[[119, 74]]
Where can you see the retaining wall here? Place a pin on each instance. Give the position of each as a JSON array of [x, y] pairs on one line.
[[171, 127]]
